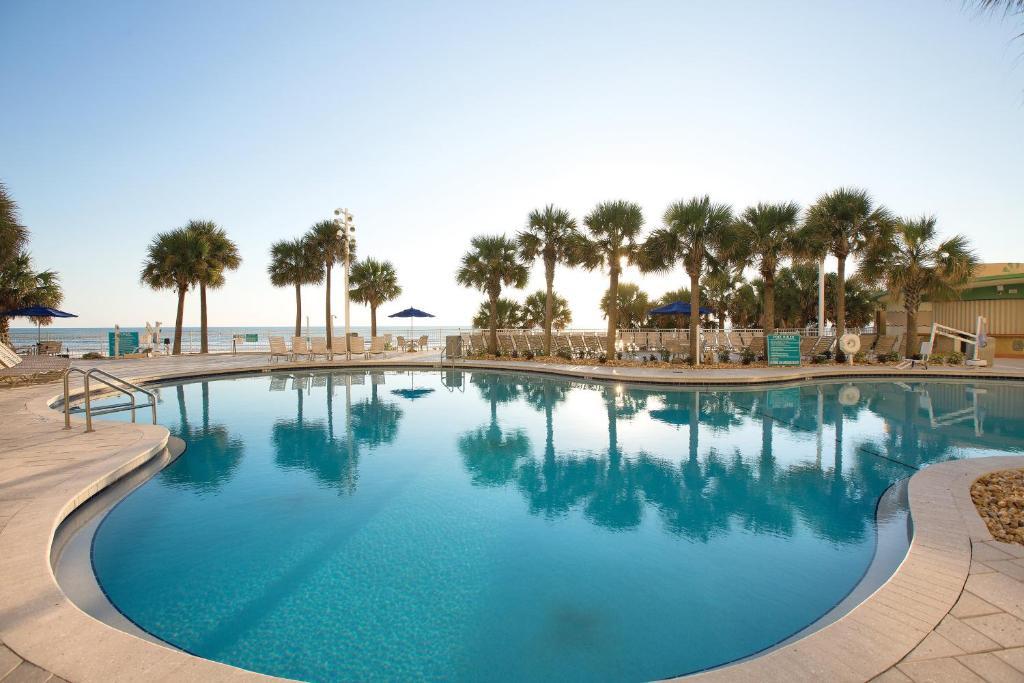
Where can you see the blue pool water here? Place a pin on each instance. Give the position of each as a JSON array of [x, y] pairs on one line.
[[481, 526]]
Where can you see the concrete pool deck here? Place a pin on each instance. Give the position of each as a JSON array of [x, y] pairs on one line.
[[954, 610]]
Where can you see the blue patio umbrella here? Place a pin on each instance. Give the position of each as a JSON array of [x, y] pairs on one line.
[[38, 312], [678, 308], [412, 314]]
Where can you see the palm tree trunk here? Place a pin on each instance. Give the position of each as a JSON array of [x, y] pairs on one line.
[[492, 340], [204, 340], [549, 303], [911, 303], [328, 327], [613, 306], [179, 319], [5, 329], [373, 321], [768, 322], [841, 296], [298, 309], [694, 313], [182, 411]]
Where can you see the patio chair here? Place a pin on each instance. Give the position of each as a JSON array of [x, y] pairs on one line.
[[602, 342], [278, 348], [319, 348], [867, 342], [48, 348], [402, 344], [357, 347], [505, 344], [423, 342], [757, 346], [378, 346], [299, 347], [885, 345], [807, 346]]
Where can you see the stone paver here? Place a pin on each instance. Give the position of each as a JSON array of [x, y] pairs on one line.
[[905, 631]]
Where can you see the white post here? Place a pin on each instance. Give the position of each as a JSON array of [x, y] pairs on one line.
[[344, 279], [821, 297]]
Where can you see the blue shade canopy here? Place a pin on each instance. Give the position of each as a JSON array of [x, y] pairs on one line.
[[411, 313], [38, 312], [412, 394], [677, 308]]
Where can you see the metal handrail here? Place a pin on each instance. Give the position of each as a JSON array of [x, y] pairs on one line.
[[100, 375]]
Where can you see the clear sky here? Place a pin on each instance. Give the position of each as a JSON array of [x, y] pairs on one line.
[[433, 122]]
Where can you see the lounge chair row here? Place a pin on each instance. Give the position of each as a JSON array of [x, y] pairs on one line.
[[317, 347], [577, 345]]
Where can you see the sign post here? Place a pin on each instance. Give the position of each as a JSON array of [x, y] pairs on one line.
[[783, 349]]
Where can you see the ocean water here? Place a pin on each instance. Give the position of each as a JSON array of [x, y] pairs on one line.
[[470, 526]]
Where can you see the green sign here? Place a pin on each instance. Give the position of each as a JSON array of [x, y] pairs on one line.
[[783, 349], [252, 337], [127, 343]]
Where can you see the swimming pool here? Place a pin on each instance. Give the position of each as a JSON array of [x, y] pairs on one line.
[[470, 525]]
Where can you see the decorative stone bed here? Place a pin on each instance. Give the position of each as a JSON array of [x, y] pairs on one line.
[[999, 497]]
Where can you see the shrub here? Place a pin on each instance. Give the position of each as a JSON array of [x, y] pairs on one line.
[[564, 354], [602, 358], [840, 356], [497, 353], [618, 355], [889, 357], [819, 359], [937, 359], [747, 356], [665, 355], [515, 353], [723, 355], [956, 358], [860, 357], [529, 355], [92, 355]]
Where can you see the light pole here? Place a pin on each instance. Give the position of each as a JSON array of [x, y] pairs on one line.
[[346, 231]]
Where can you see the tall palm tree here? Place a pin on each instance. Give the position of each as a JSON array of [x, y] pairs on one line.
[[844, 222], [916, 265], [293, 264], [219, 254], [550, 234], [491, 264], [694, 232], [373, 283], [326, 241], [174, 261], [13, 235], [761, 237], [21, 286], [721, 289], [536, 310], [612, 232]]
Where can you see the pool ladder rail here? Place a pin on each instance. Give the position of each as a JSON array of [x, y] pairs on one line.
[[113, 382]]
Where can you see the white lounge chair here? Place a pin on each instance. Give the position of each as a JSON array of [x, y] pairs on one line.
[[357, 347], [278, 348], [299, 347], [378, 346], [319, 348]]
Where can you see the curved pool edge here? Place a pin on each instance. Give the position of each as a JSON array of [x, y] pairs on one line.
[[41, 625]]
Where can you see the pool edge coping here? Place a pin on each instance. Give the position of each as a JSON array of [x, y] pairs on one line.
[[865, 642]]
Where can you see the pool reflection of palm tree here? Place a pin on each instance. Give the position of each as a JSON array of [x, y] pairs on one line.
[[212, 455], [375, 422], [311, 445], [491, 454]]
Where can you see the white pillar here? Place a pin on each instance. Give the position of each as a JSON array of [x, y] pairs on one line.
[[821, 296]]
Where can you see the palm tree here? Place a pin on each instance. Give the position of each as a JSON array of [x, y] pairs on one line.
[[693, 233], [843, 223], [536, 311], [22, 286], [612, 232], [721, 288], [510, 315], [219, 254], [373, 283], [550, 235], [13, 234], [631, 305], [293, 264], [491, 264], [326, 241], [761, 237], [174, 261], [916, 265]]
